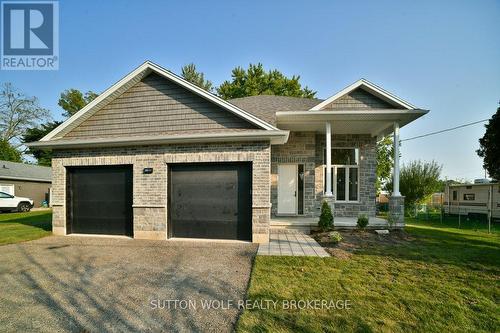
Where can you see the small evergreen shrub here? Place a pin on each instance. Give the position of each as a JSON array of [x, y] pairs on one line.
[[335, 237], [362, 221], [326, 218]]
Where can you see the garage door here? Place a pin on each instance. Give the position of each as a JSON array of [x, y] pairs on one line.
[[210, 201], [100, 200]]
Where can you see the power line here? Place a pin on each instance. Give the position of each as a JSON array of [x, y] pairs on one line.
[[445, 130]]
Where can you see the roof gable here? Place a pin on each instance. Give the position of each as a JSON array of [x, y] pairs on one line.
[[364, 95], [157, 106], [134, 78]]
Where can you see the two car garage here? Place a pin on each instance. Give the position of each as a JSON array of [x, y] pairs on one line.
[[205, 200]]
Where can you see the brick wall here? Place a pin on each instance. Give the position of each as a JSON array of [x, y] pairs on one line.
[[150, 190]]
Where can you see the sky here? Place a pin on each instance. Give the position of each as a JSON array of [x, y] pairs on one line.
[[438, 55]]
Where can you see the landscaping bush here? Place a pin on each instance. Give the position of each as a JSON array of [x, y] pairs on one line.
[[335, 237], [362, 221], [326, 218]]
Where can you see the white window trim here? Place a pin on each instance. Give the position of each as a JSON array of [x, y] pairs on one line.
[[334, 176]]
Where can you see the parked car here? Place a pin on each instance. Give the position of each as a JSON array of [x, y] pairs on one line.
[[12, 203]]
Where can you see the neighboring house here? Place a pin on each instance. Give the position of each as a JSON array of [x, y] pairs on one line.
[[26, 180], [156, 157], [472, 199]]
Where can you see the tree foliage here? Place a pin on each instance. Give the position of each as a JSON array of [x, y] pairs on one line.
[[43, 156], [418, 180], [385, 162], [18, 112], [73, 100], [8, 152], [256, 81], [489, 148], [190, 73]]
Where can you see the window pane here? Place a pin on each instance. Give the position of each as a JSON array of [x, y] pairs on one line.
[[344, 156], [300, 188], [340, 190], [353, 184]]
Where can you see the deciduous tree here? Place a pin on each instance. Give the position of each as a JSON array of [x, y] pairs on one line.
[[73, 100], [490, 146], [256, 81], [43, 156]]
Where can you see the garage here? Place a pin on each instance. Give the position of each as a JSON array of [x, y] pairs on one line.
[[100, 200], [210, 200]]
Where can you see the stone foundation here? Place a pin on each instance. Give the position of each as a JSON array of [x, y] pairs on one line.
[[396, 215]]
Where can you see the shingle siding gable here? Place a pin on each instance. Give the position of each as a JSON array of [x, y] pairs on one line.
[[359, 99], [157, 106]]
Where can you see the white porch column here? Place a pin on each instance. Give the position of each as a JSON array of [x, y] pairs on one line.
[[328, 191], [395, 189]]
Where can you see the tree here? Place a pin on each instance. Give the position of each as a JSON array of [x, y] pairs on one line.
[[18, 112], [73, 100], [385, 162], [489, 148], [8, 152], [418, 180], [190, 73], [326, 217], [43, 156], [256, 81]]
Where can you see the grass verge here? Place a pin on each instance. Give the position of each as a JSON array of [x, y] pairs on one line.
[[20, 227]]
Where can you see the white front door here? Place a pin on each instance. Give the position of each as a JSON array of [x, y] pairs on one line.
[[287, 189]]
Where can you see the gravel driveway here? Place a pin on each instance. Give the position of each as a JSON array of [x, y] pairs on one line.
[[106, 284]]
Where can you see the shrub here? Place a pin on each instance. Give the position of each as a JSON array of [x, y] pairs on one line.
[[335, 237], [326, 218], [362, 221]]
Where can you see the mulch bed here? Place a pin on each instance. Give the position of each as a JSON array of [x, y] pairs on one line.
[[355, 240]]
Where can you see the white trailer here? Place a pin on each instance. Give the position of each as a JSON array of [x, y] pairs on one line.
[[473, 199]]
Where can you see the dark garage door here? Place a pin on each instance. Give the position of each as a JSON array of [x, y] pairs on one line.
[[100, 200], [211, 201]]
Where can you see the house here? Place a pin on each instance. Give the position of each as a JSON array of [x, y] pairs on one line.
[[481, 198], [26, 180], [156, 157]]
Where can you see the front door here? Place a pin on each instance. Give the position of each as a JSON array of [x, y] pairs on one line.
[[287, 189]]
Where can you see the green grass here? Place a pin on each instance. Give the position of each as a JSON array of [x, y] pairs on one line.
[[444, 279], [20, 227]]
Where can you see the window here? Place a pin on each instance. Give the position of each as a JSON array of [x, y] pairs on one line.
[[469, 196], [300, 189], [5, 195], [455, 195], [345, 173]]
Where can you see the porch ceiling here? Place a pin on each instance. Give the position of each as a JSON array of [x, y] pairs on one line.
[[373, 122]]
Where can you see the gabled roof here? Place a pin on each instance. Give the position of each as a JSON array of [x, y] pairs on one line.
[[21, 171], [266, 106], [369, 87], [132, 78]]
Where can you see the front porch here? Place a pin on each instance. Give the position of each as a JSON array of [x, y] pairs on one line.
[[307, 224]]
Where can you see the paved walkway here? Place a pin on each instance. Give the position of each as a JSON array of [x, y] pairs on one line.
[[291, 244]]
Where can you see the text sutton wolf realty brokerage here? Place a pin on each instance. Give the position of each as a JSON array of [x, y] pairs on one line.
[[30, 35]]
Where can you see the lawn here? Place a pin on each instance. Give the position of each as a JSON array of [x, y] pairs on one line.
[[440, 279], [19, 227]]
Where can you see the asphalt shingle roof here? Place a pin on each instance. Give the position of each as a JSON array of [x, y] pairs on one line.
[[266, 106], [21, 171]]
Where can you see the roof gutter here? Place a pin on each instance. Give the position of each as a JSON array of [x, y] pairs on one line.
[[27, 179], [275, 137]]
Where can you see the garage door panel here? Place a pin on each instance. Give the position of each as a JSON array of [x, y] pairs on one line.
[[211, 201], [101, 200]]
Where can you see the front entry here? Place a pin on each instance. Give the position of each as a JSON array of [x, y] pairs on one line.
[[287, 189]]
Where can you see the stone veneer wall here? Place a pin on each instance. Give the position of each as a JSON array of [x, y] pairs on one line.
[[299, 149], [367, 173], [308, 148], [150, 190]]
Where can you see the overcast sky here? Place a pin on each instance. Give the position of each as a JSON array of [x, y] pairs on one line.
[[438, 55]]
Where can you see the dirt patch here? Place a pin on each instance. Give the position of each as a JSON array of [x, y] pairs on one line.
[[355, 240]]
